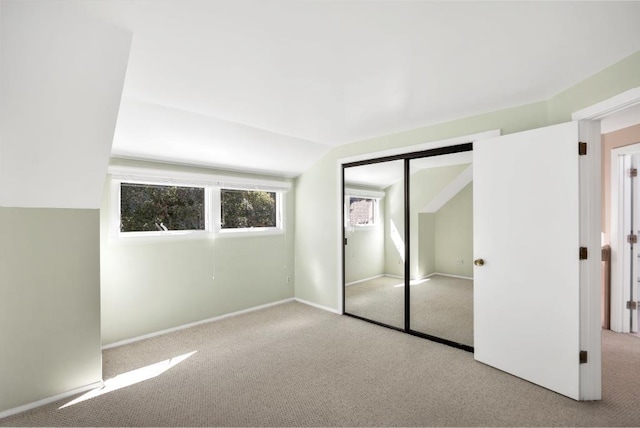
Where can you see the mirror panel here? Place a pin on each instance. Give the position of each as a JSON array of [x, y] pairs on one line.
[[441, 247], [374, 251]]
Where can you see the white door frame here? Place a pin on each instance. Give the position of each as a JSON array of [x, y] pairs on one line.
[[620, 251], [598, 112]]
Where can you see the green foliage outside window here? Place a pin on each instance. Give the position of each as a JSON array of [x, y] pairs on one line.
[[147, 208], [247, 208]]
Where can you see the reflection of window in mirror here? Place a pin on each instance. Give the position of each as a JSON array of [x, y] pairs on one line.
[[362, 211]]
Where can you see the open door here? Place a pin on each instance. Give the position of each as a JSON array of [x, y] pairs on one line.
[[536, 204]]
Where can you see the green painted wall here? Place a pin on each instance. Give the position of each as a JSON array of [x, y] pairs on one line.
[[49, 303], [317, 237], [426, 249], [426, 185], [453, 227], [394, 206], [150, 284], [364, 252], [618, 78], [426, 244]]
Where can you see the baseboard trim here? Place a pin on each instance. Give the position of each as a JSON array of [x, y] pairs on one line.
[[49, 400], [363, 280], [193, 324], [450, 276], [315, 305]]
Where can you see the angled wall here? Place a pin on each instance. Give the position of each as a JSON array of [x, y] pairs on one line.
[[62, 74]]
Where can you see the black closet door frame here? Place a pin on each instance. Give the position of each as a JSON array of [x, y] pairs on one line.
[[406, 157]]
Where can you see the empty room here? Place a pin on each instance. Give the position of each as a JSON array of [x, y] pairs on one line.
[[319, 213]]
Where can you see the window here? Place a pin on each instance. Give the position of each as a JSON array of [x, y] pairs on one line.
[[161, 208], [244, 210], [157, 203], [362, 211]]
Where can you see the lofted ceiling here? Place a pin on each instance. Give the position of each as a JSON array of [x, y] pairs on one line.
[[271, 85]]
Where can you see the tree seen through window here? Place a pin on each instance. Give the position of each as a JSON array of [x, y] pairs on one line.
[[150, 208], [242, 209]]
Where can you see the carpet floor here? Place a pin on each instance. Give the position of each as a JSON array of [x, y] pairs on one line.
[[294, 365], [441, 306]]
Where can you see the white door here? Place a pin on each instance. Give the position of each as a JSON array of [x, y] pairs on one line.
[[528, 231]]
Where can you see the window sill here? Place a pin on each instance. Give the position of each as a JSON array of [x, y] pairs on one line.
[[148, 237], [237, 233]]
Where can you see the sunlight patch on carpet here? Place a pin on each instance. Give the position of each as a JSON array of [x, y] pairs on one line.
[[413, 282], [130, 378]]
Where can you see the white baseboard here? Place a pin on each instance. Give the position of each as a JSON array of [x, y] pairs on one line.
[[49, 400], [315, 305], [363, 280], [193, 324], [450, 276], [415, 279]]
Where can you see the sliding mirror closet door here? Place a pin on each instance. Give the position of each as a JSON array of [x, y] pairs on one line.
[[374, 243], [441, 247]]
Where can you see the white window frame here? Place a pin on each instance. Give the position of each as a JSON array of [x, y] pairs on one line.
[[376, 196], [246, 231], [116, 199], [212, 184]]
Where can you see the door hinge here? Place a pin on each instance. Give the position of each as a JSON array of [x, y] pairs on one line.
[[632, 239], [345, 241], [582, 148], [632, 305], [584, 356], [633, 172], [584, 254]]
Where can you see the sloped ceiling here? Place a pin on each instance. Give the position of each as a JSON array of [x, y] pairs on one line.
[[270, 86]]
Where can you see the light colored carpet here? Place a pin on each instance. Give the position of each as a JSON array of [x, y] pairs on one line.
[[440, 306], [379, 299], [294, 365]]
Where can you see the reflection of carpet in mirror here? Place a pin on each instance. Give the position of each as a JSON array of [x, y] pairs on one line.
[[441, 306]]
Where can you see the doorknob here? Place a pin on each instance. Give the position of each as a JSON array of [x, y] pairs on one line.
[[478, 262]]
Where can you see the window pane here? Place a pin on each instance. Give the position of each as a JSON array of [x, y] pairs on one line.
[[247, 208], [361, 211], [151, 208]]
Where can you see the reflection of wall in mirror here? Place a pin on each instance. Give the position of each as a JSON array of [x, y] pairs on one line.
[[364, 252], [442, 241]]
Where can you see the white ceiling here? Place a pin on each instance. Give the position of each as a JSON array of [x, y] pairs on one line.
[[271, 85]]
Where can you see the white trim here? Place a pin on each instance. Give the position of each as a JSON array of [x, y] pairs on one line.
[[51, 399], [470, 278], [115, 190], [193, 324], [610, 106], [371, 194], [212, 185], [315, 305], [366, 279], [279, 229], [620, 252], [623, 119], [452, 189], [590, 269]]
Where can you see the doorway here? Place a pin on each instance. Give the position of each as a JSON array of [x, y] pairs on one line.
[[623, 230]]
